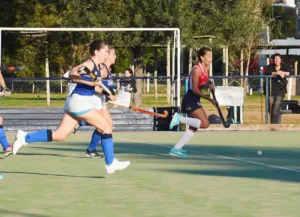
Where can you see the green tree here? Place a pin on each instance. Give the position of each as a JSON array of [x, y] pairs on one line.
[[242, 26]]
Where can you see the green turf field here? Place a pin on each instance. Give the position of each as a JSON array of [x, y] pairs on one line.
[[223, 177]]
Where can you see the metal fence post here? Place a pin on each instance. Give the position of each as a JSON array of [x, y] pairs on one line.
[[267, 101]]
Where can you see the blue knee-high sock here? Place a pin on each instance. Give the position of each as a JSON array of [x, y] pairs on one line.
[[96, 137], [39, 136], [3, 139], [108, 148]]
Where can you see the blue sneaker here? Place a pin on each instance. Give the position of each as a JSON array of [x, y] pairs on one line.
[[177, 153], [183, 150], [175, 120]]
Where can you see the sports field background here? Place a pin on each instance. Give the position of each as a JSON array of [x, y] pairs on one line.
[[223, 177]]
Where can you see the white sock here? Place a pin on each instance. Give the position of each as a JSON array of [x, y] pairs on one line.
[[194, 122], [185, 138]]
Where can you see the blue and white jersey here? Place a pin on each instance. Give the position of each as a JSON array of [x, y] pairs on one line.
[[83, 89], [108, 81]]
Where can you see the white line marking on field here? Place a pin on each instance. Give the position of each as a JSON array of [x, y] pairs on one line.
[[219, 156]]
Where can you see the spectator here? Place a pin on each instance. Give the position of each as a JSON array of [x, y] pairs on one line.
[[277, 87], [127, 86]]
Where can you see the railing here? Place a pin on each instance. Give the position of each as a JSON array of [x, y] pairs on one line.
[[160, 91]]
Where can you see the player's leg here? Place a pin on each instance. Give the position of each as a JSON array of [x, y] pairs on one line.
[[177, 119], [189, 104], [196, 119], [100, 106], [7, 148], [65, 127], [92, 148], [199, 120], [98, 102], [91, 151], [104, 133], [61, 133]]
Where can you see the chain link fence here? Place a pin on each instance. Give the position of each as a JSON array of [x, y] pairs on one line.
[[31, 93], [266, 99]]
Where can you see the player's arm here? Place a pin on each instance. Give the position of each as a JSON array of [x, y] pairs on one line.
[[111, 94], [2, 82], [209, 85], [195, 78], [75, 74]]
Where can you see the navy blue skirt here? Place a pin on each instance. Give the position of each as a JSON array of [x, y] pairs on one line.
[[190, 102]]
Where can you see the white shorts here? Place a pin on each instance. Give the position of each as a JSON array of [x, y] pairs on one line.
[[66, 106], [99, 101], [71, 87], [79, 105]]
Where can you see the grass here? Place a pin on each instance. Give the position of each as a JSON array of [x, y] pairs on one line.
[[55, 179]]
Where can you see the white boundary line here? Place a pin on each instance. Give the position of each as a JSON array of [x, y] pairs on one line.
[[219, 156]]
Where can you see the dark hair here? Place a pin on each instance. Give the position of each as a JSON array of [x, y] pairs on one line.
[[202, 52], [129, 70], [277, 55], [96, 45]]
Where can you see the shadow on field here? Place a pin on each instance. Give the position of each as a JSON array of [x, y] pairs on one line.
[[52, 155], [59, 175], [282, 164], [20, 214]]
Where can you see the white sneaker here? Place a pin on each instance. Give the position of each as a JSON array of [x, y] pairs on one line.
[[19, 141], [117, 165]]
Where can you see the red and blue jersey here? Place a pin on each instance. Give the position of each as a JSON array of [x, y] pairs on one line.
[[203, 77]]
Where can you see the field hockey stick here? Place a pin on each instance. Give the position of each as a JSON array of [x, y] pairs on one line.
[[141, 110], [226, 124], [11, 68], [87, 71]]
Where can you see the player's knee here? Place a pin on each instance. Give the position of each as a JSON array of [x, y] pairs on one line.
[[107, 128], [193, 129], [59, 137], [204, 124]]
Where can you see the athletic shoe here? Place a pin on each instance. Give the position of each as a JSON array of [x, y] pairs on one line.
[[175, 120], [117, 165], [8, 151], [183, 150], [177, 153], [19, 141], [93, 154]]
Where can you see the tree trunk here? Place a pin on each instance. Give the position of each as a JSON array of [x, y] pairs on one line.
[[247, 69], [242, 67], [138, 72]]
